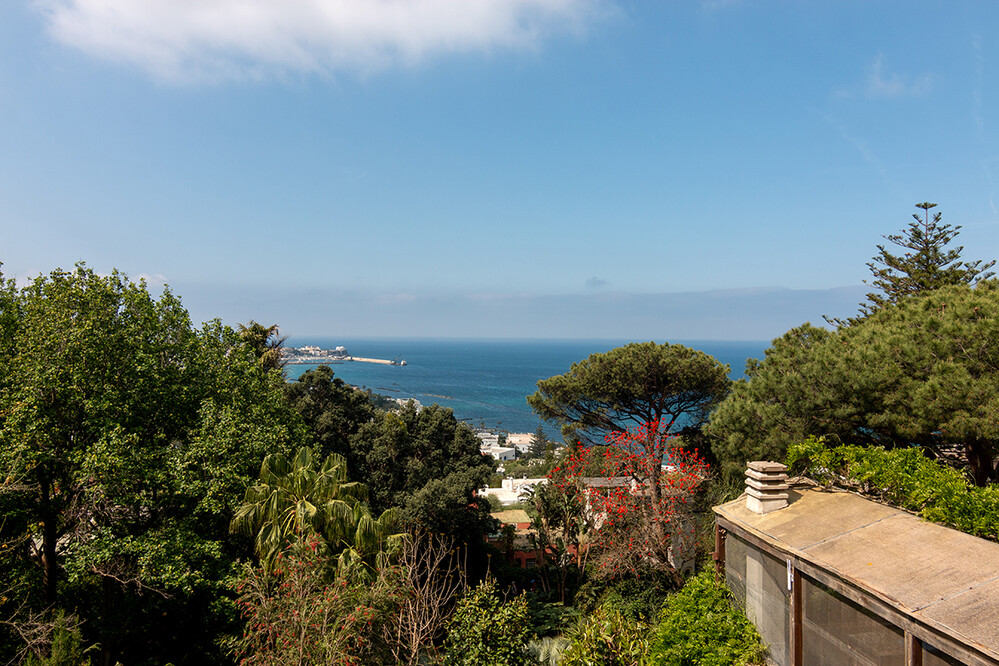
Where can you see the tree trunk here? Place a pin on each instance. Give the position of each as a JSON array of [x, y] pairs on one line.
[[50, 566], [981, 462], [109, 647]]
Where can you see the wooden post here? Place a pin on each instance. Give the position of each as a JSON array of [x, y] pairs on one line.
[[719, 554], [797, 658], [913, 650]]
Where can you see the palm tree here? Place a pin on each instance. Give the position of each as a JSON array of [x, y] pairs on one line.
[[266, 343], [294, 499]]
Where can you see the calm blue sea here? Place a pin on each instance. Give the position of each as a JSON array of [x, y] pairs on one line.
[[485, 382]]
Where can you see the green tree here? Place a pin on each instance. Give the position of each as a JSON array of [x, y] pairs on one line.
[[926, 263], [428, 464], [920, 372], [662, 389], [296, 498], [266, 342], [332, 410], [94, 373], [127, 436], [639, 383], [539, 443], [780, 401]]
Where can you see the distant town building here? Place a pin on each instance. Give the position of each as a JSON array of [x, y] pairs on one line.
[[514, 538], [520, 441], [499, 452], [511, 489], [487, 439]]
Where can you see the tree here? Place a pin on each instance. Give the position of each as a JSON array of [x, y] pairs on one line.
[[927, 264], [640, 513], [294, 499], [920, 372], [332, 410], [265, 342], [781, 400], [671, 386], [127, 436], [561, 527], [539, 443], [308, 611], [428, 464], [95, 370], [638, 383], [432, 577]]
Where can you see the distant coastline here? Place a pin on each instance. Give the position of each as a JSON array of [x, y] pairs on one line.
[[485, 382]]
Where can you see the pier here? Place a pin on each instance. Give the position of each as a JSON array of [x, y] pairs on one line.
[[371, 360]]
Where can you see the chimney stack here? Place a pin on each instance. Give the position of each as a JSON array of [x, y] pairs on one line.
[[766, 486]]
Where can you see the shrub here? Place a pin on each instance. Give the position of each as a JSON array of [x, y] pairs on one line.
[[66, 648], [904, 478], [485, 630], [306, 611], [610, 638], [699, 626]]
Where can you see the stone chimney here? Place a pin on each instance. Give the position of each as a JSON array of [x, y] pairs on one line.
[[766, 486]]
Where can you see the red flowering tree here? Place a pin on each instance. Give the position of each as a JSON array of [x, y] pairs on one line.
[[638, 505]]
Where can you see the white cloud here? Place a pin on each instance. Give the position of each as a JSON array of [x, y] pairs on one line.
[[207, 40], [153, 280], [882, 83]]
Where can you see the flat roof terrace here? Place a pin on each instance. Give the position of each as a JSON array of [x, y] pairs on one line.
[[938, 585]]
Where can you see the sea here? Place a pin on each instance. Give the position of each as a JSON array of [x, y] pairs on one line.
[[485, 382]]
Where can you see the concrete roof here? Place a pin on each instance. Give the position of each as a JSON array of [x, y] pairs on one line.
[[940, 577]]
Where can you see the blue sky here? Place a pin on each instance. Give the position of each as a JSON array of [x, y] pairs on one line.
[[503, 168]]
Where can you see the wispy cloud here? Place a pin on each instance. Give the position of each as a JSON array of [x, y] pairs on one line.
[[882, 83], [716, 5], [209, 40], [595, 282], [395, 298], [152, 280]]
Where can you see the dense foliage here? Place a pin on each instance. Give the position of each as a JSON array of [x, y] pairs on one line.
[[332, 410], [428, 464], [920, 372], [700, 627], [905, 478], [298, 498], [487, 630], [610, 638], [127, 437], [305, 610]]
